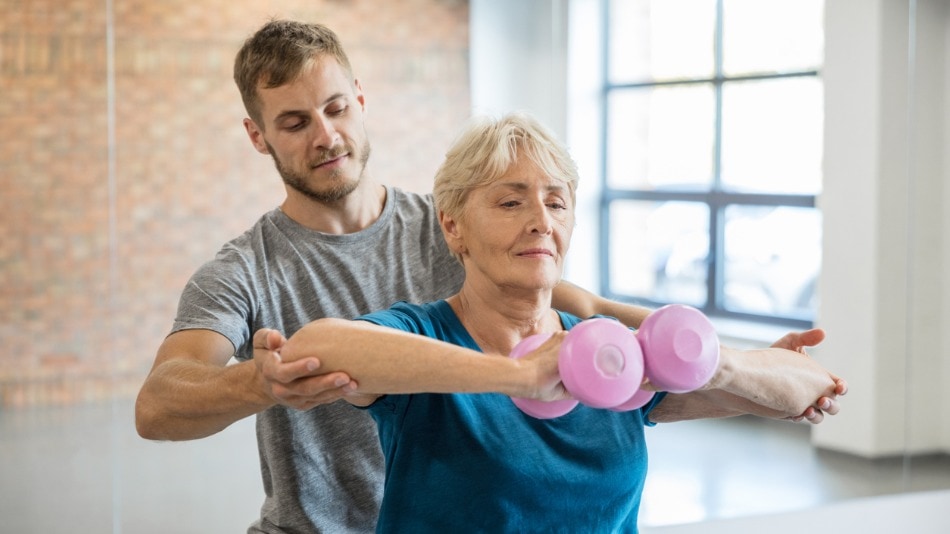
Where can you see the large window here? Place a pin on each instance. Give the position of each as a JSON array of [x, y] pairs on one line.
[[712, 155]]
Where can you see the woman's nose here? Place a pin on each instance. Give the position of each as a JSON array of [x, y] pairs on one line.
[[540, 219]]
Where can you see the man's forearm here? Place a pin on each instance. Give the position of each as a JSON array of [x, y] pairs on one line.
[[707, 404], [186, 399]]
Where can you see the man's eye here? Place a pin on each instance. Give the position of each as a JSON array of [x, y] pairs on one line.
[[335, 112], [509, 204]]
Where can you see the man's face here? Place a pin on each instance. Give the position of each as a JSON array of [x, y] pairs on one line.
[[313, 128]]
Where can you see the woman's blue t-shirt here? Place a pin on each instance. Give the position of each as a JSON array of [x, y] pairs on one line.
[[477, 463]]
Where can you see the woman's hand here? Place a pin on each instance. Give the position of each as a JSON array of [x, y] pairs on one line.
[[542, 364]]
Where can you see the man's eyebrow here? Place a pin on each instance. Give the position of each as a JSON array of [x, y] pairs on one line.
[[303, 113], [289, 113]]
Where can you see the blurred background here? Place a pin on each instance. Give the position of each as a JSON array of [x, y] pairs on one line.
[[779, 164]]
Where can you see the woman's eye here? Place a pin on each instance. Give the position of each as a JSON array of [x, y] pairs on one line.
[[337, 111], [509, 204]]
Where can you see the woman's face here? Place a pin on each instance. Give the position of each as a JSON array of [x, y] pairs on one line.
[[515, 231]]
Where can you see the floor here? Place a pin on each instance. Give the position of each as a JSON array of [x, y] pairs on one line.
[[922, 512], [715, 469], [84, 470]]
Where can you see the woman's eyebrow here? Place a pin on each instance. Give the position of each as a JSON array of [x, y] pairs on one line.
[[521, 186]]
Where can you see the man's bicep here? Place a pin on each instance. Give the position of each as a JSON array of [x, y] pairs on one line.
[[201, 345]]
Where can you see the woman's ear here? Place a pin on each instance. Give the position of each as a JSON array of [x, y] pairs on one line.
[[452, 232]]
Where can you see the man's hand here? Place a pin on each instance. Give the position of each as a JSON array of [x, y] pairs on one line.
[[798, 341], [298, 384]]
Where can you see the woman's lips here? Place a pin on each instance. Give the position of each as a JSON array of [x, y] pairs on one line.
[[536, 252]]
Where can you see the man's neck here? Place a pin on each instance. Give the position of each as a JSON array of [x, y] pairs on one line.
[[355, 212]]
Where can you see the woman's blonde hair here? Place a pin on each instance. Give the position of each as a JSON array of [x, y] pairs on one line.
[[488, 147]]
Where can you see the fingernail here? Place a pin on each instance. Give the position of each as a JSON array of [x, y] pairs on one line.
[[341, 382], [825, 405], [312, 366]]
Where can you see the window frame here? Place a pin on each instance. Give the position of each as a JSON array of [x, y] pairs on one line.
[[716, 198]]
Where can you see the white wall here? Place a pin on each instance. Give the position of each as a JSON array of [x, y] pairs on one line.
[[518, 59], [884, 299]]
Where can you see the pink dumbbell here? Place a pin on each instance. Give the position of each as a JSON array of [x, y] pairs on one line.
[[681, 352], [599, 362], [602, 363], [533, 407]]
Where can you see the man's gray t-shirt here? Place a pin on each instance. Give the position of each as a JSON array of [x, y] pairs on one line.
[[322, 468]]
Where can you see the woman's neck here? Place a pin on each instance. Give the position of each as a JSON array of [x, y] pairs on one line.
[[499, 319]]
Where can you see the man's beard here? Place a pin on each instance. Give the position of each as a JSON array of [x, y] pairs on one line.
[[338, 188]]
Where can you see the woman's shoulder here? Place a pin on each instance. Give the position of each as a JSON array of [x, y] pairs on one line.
[[408, 316], [569, 321]]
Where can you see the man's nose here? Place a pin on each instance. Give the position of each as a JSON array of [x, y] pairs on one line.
[[325, 134]]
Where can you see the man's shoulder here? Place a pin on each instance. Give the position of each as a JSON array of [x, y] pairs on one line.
[[411, 199], [414, 212], [247, 249]]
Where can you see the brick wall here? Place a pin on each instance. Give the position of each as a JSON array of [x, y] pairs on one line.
[[113, 189]]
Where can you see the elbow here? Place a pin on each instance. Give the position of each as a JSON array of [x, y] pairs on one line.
[[146, 424], [148, 420], [316, 339]]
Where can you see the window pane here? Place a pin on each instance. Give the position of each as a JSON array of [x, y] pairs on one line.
[[773, 36], [662, 39], [658, 250], [773, 257], [772, 135], [661, 137]]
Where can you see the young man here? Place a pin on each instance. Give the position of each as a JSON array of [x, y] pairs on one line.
[[340, 245]]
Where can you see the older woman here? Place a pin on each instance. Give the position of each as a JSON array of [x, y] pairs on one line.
[[462, 461]]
